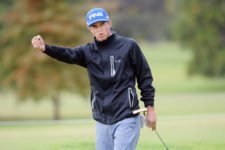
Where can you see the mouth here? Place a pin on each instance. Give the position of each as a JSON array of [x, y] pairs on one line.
[[101, 34]]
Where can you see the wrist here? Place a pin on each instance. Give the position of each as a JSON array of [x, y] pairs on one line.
[[45, 46], [150, 108]]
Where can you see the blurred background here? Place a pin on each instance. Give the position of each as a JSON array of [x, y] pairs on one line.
[[46, 103]]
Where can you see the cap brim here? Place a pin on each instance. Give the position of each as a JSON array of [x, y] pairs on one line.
[[100, 20]]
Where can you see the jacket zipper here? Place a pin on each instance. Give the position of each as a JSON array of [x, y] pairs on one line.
[[93, 101], [131, 97], [112, 61]]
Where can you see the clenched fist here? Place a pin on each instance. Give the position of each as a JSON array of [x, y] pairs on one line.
[[38, 43]]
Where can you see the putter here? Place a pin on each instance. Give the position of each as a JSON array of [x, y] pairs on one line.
[[144, 123], [166, 147]]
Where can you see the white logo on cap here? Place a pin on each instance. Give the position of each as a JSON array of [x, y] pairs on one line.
[[99, 14]]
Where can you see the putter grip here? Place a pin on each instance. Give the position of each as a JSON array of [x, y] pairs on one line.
[[139, 110]]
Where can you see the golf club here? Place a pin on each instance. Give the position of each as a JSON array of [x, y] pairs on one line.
[[144, 110], [161, 140]]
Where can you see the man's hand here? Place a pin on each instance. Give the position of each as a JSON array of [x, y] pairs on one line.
[[151, 118], [38, 43]]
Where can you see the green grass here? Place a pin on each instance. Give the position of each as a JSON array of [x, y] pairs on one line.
[[191, 112], [185, 121], [72, 106], [169, 65], [193, 132], [38, 137], [188, 133]]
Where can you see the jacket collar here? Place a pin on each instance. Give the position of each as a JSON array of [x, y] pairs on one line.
[[109, 40]]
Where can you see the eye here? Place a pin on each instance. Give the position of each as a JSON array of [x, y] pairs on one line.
[[102, 23], [94, 25]]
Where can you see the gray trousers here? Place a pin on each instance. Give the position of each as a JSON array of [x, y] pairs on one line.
[[122, 135]]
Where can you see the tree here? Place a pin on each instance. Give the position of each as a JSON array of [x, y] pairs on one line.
[[30, 73], [201, 27]]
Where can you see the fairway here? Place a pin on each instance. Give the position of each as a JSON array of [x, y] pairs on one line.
[[183, 124], [192, 132]]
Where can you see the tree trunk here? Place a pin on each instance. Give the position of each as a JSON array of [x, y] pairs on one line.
[[56, 107]]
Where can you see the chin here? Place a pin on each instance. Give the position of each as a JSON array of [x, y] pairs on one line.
[[101, 39]]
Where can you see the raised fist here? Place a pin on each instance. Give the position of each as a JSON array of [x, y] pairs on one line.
[[38, 43]]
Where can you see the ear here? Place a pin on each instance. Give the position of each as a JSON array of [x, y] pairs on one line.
[[89, 29]]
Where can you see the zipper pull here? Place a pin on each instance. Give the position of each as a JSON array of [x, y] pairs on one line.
[[112, 61]]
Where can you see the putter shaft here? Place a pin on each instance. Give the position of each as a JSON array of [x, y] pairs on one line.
[[143, 110], [161, 140]]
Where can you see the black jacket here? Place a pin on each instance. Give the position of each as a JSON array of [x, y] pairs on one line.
[[113, 67]]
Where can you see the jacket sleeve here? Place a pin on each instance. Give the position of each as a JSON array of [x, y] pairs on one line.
[[143, 74], [68, 55]]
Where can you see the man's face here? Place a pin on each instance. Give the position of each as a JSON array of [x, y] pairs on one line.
[[101, 30]]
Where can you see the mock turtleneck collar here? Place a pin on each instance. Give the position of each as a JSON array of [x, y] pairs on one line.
[[105, 42]]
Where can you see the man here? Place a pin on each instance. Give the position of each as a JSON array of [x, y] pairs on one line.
[[113, 63]]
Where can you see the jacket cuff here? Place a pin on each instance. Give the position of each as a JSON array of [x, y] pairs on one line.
[[149, 103], [47, 48]]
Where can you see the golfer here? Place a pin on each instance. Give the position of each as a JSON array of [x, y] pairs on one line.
[[114, 63]]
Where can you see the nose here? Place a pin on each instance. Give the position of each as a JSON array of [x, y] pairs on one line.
[[99, 29]]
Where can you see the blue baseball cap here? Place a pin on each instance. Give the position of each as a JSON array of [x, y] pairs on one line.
[[96, 15]]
